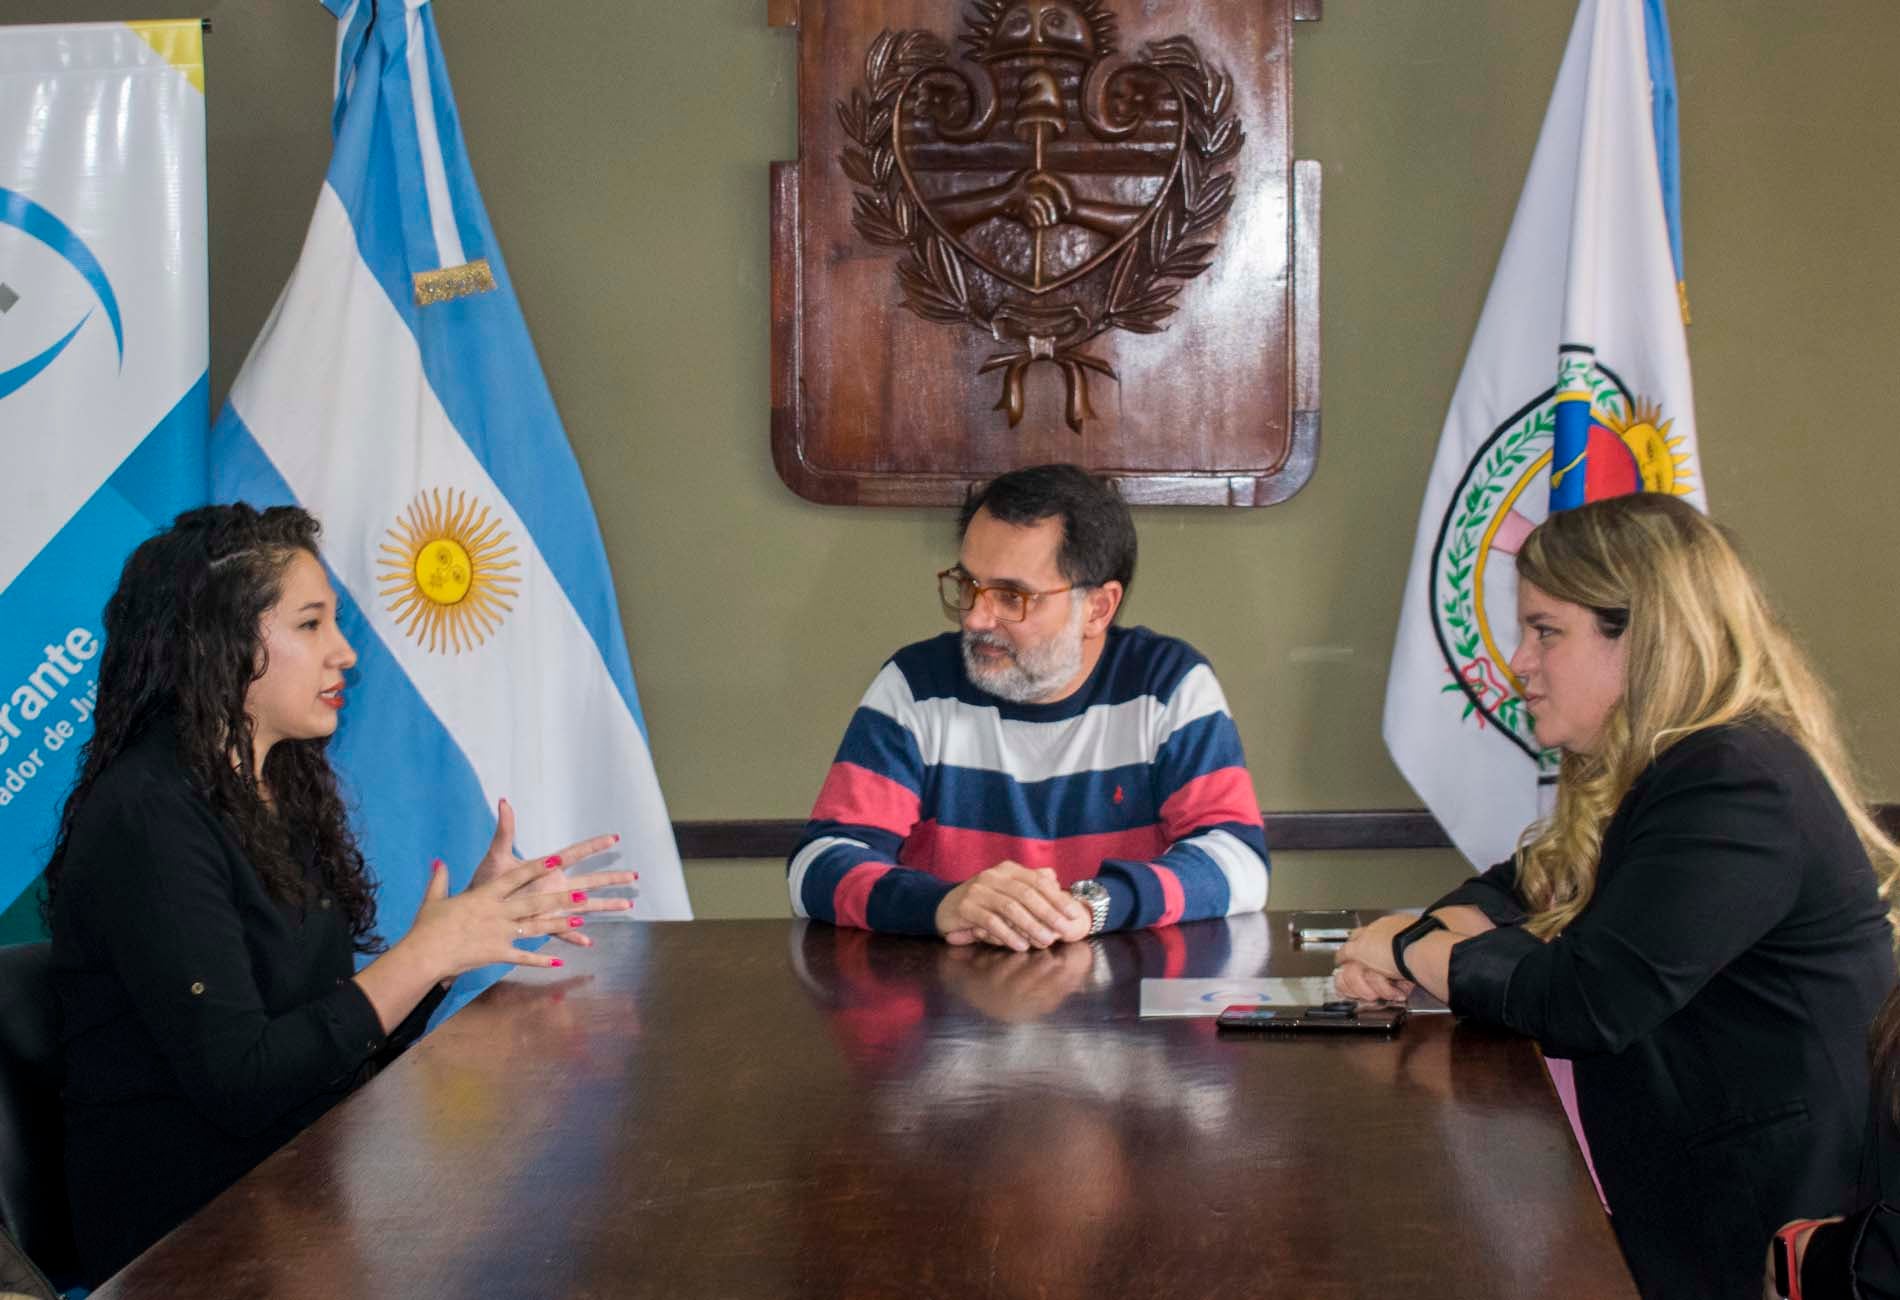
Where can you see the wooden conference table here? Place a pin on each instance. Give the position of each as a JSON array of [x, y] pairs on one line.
[[779, 1109]]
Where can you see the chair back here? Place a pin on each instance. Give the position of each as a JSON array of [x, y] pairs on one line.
[[19, 1280], [32, 1171]]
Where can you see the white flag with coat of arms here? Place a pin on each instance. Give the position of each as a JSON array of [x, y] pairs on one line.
[[1576, 388], [394, 393]]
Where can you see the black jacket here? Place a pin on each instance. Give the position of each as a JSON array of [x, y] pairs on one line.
[[204, 1023], [1715, 996]]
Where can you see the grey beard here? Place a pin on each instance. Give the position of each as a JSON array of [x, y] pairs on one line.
[[1027, 675]]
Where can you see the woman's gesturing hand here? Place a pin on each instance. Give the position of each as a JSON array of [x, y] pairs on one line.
[[564, 893], [506, 899], [480, 925]]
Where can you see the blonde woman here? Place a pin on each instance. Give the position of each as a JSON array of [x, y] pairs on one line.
[[1702, 923]]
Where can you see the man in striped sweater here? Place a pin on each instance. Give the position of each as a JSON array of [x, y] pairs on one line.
[[1043, 774]]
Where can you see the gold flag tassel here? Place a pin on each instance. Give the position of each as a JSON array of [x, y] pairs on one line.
[[452, 282]]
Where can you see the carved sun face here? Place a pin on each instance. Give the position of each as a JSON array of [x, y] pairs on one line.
[[1054, 25]]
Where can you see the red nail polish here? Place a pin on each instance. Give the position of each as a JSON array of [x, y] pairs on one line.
[[573, 921], [579, 896], [636, 875], [557, 962], [616, 839], [553, 861], [436, 865]]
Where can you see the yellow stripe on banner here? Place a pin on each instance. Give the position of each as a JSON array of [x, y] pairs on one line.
[[180, 42]]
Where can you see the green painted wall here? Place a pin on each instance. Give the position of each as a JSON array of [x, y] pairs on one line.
[[623, 150]]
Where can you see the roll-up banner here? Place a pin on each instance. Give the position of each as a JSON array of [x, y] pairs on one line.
[[104, 350]]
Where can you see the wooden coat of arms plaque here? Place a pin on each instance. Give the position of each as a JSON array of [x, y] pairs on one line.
[[1032, 230]]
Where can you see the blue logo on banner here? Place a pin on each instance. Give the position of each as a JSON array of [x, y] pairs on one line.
[[51, 631], [24, 214]]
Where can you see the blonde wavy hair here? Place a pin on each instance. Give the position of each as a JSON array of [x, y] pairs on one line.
[[1704, 649]]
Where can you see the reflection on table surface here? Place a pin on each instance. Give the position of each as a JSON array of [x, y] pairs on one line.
[[789, 1109]]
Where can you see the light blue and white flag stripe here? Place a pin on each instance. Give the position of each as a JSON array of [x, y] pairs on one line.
[[1662, 111], [403, 426], [104, 348]]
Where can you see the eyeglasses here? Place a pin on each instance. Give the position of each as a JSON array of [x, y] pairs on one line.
[[959, 592]]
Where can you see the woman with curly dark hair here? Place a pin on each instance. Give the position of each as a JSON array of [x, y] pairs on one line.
[[206, 896]]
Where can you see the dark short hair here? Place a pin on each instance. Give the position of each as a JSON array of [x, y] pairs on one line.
[[1098, 534]]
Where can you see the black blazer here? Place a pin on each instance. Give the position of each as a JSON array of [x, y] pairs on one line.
[[1715, 996], [204, 1023]]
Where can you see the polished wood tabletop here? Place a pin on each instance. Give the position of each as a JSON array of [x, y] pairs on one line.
[[784, 1109]]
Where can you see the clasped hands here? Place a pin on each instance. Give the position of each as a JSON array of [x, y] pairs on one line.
[[1364, 969], [1011, 906], [510, 898], [1039, 199]]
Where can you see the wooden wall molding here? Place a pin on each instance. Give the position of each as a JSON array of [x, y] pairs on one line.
[[1293, 832]]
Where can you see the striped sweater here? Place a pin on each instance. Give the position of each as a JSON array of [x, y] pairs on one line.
[[1137, 779]]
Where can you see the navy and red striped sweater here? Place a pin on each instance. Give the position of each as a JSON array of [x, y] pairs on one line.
[[1137, 780]]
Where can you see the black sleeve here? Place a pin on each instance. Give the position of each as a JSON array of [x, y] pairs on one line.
[[1855, 1259], [1494, 893], [1709, 865], [172, 932], [412, 1026]]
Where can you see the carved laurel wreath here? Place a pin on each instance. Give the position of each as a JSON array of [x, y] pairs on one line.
[[1146, 275]]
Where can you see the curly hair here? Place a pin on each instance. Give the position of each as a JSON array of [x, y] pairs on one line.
[[1705, 649], [184, 640]]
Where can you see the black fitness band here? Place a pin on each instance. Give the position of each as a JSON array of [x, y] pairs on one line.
[[1410, 935]]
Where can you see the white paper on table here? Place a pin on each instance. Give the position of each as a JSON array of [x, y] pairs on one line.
[[1203, 997], [1211, 997]]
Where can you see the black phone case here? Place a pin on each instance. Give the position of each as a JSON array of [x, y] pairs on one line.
[[1379, 1022]]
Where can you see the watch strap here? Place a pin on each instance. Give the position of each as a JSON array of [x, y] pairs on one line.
[[1410, 935], [1097, 898]]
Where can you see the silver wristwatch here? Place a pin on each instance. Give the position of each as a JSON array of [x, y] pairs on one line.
[[1093, 895]]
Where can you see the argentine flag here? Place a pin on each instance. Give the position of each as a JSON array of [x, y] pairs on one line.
[[104, 347], [395, 394]]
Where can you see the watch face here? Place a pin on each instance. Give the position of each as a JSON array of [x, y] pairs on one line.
[[1088, 890]]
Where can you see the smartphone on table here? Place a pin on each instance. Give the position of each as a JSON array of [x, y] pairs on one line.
[[1323, 927], [1327, 1018]]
